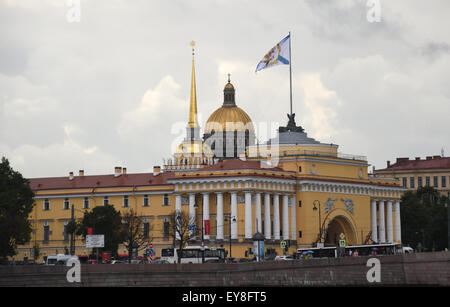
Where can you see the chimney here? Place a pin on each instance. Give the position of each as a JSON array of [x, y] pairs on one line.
[[117, 171], [81, 172], [156, 170], [436, 157], [71, 176], [417, 158], [429, 158], [388, 163], [124, 170]]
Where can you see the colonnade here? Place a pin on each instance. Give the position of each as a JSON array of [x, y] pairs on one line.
[[267, 210], [382, 225]]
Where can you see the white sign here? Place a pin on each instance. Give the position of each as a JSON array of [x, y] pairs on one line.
[[95, 241]]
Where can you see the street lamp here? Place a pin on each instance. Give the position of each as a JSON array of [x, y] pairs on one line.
[[232, 219], [320, 226]]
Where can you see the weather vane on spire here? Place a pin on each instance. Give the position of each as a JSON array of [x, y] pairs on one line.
[[229, 78]]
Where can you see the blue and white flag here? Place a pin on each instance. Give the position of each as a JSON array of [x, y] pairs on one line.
[[278, 55]]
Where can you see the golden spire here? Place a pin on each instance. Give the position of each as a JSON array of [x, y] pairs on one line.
[[193, 105]]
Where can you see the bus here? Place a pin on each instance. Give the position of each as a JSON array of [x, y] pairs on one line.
[[194, 254], [363, 250], [59, 259]]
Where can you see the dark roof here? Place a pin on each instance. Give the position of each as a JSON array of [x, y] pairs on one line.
[[434, 162], [100, 181]]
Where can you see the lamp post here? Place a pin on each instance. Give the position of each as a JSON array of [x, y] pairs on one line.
[[320, 226], [231, 219]]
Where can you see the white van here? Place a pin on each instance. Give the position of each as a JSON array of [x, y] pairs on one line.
[[407, 250], [59, 259]]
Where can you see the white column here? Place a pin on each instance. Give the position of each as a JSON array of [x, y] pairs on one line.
[[382, 231], [267, 232], [219, 216], [248, 215], [177, 211], [285, 217], [234, 216], [276, 216], [390, 226], [293, 217], [258, 221], [192, 208], [398, 227], [205, 213], [373, 220]]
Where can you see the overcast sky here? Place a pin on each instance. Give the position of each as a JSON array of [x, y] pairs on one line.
[[113, 89]]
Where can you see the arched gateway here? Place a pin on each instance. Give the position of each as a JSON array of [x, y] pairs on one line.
[[340, 224]]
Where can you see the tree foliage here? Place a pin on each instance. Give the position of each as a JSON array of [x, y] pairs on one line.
[[424, 219], [16, 205], [105, 220]]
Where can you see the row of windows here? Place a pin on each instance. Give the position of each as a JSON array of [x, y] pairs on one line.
[[420, 183], [125, 202]]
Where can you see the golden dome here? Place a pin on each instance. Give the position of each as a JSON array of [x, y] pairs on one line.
[[194, 148], [229, 85], [229, 118]]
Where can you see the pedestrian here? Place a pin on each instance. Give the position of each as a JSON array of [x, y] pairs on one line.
[[355, 254]]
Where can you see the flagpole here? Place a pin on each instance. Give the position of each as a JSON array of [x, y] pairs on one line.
[[290, 69]]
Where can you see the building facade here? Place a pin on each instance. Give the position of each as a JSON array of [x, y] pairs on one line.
[[433, 171], [292, 188]]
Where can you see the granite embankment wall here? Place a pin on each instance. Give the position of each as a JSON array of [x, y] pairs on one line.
[[409, 269]]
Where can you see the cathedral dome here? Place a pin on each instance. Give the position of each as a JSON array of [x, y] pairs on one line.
[[229, 117]]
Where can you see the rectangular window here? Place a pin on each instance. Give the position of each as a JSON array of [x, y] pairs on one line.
[[411, 182], [166, 228], [66, 204], [299, 169], [105, 201], [299, 203], [419, 182], [125, 201], [65, 234], [404, 181], [443, 182], [146, 230], [427, 181], [46, 233], [86, 203], [166, 200], [145, 201], [435, 181], [300, 234], [46, 204]]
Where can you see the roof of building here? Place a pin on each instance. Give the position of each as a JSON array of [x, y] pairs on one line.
[[100, 181], [431, 162], [236, 164]]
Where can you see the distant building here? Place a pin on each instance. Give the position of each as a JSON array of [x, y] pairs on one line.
[[433, 171]]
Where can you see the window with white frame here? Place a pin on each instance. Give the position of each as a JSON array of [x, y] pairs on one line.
[[125, 201], [145, 202], [105, 201], [66, 204], [86, 203], [46, 204]]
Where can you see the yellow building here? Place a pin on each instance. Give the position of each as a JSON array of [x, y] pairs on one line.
[[293, 189], [433, 171]]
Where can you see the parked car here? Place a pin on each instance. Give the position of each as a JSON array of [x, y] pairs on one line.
[[59, 259], [284, 257], [407, 250]]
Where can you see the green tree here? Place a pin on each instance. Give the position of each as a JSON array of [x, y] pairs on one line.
[[105, 220], [16, 205], [424, 219]]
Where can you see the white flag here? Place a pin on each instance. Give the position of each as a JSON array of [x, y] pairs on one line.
[[278, 55]]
